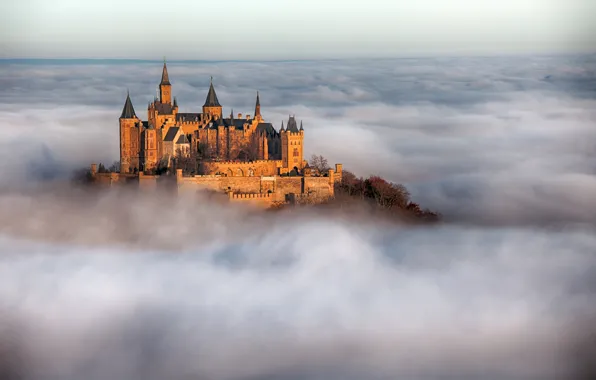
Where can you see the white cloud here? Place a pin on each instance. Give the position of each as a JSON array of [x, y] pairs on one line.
[[114, 287]]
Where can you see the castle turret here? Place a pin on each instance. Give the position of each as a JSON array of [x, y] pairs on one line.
[[292, 145], [129, 137], [212, 106], [165, 87]]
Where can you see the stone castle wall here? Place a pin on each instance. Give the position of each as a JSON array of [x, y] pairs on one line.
[[257, 190], [241, 168]]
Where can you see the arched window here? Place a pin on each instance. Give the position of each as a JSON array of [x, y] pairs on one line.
[[296, 152]]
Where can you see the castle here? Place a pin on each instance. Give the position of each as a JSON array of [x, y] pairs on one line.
[[243, 156]]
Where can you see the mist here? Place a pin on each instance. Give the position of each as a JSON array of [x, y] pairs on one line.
[[149, 286]]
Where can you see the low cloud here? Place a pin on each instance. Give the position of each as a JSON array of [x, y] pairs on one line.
[[142, 286], [129, 290]]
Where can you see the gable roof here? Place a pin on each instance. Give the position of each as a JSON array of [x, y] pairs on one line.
[[182, 140], [172, 132], [128, 112]]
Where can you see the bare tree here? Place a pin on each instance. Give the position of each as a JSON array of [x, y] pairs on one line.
[[115, 168], [386, 194], [101, 168], [204, 151], [249, 151], [185, 160], [319, 163]]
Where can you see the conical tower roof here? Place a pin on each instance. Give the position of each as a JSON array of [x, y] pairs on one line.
[[165, 79], [258, 106], [128, 112], [211, 100]]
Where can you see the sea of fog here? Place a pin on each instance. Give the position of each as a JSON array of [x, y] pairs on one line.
[[146, 286]]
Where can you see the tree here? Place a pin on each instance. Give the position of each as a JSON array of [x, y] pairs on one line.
[[115, 168], [101, 168], [82, 176], [319, 163], [249, 151], [204, 152], [186, 161], [386, 194], [351, 184]]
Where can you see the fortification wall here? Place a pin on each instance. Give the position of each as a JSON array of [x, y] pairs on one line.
[[112, 179], [148, 182], [319, 186], [287, 185], [241, 169], [260, 200]]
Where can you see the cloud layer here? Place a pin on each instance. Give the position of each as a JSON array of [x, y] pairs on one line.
[[115, 286], [128, 291]]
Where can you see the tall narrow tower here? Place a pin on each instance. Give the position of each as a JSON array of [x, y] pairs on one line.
[[292, 139], [212, 106], [258, 109], [165, 87], [129, 138]]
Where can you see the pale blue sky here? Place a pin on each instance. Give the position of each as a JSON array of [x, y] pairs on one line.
[[286, 29]]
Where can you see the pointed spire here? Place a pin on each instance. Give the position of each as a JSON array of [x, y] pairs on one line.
[[165, 79], [232, 115], [301, 128], [211, 100], [175, 102], [258, 106], [282, 126], [128, 112]]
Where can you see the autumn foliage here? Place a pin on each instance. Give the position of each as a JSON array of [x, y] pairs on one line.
[[381, 194]]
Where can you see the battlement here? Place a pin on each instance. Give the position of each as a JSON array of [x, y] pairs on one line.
[[264, 196], [236, 162]]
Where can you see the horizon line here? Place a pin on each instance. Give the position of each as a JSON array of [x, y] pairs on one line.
[[409, 56]]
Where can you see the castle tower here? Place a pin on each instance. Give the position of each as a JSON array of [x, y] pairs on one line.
[[258, 109], [292, 140], [165, 87], [129, 138], [212, 106]]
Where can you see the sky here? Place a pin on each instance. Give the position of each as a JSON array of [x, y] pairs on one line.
[[291, 29]]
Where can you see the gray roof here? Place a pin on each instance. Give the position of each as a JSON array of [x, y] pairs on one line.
[[230, 123], [165, 79], [188, 116], [171, 134], [268, 129], [182, 140], [163, 108], [211, 100], [292, 126], [128, 112]]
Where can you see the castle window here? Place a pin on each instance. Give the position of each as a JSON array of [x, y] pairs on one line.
[[296, 152]]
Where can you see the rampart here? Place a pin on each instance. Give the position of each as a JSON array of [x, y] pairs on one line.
[[241, 168], [262, 190]]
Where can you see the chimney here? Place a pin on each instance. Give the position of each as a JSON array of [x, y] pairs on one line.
[[239, 116], [247, 117]]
